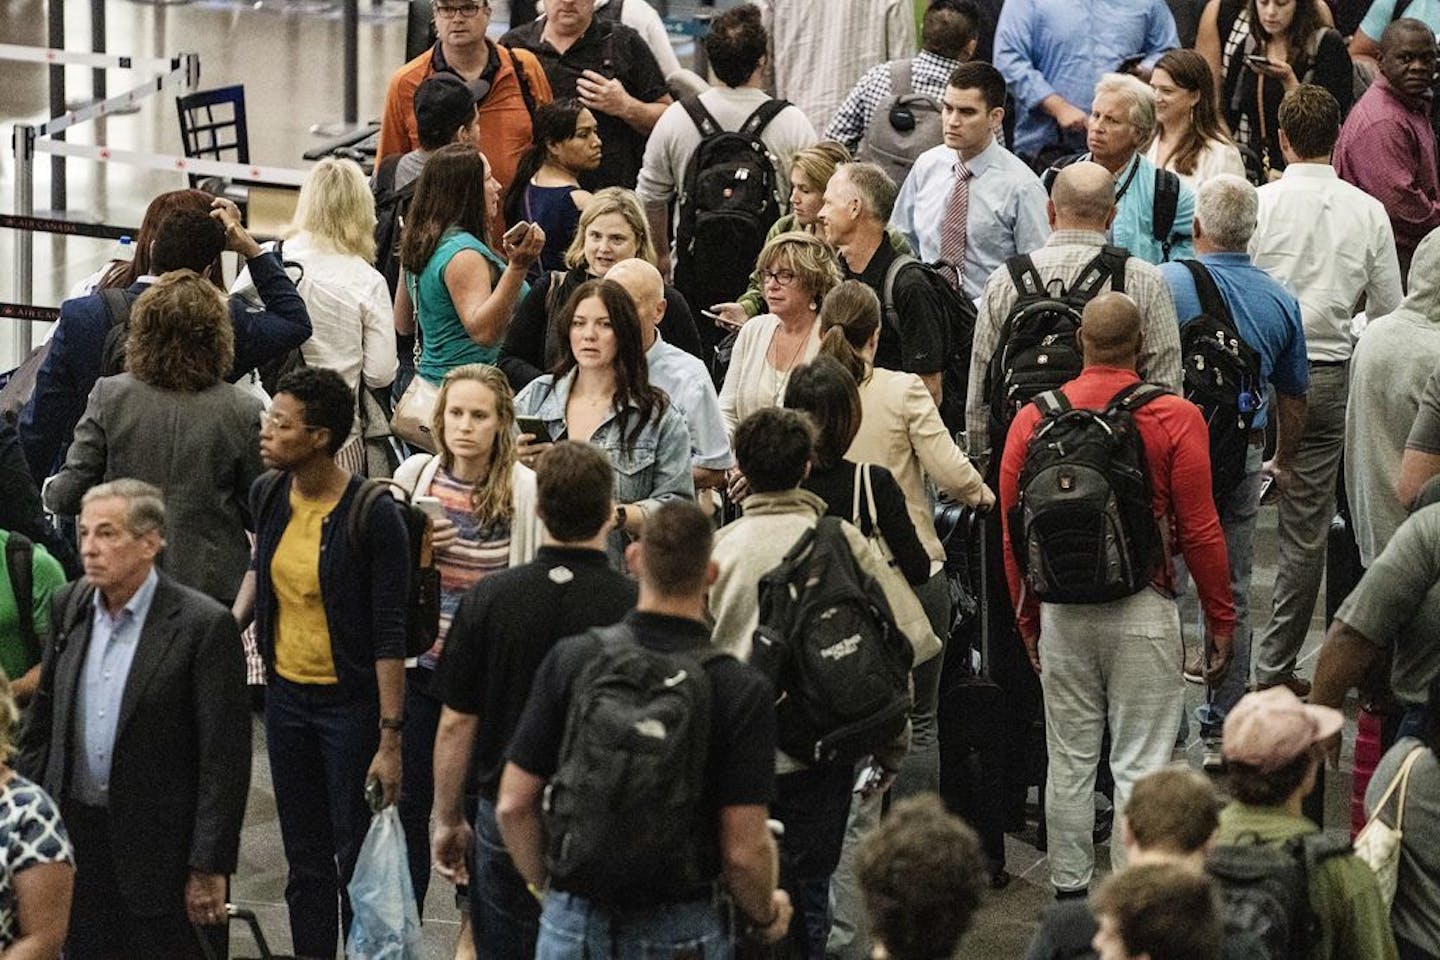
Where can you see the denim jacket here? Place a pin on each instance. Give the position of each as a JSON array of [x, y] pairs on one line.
[[653, 469]]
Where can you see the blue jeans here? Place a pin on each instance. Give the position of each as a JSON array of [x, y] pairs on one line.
[[417, 775], [1237, 520], [320, 746], [573, 928], [504, 916]]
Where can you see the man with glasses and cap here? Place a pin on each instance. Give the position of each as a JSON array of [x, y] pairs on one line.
[[507, 86]]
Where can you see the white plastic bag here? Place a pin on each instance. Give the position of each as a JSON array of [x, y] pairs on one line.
[[386, 924]]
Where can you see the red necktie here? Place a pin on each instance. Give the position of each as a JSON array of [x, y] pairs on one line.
[[954, 225]]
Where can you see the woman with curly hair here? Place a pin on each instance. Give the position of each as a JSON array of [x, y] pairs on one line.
[[485, 521], [172, 421]]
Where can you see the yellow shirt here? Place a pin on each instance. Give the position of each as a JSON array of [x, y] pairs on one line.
[[302, 634]]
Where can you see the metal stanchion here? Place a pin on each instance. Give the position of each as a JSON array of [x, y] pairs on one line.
[[97, 44], [350, 26], [24, 148], [57, 100]]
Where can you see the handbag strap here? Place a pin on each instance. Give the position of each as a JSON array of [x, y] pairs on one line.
[[1399, 781]]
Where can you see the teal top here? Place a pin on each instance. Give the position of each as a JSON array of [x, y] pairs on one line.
[[445, 344]]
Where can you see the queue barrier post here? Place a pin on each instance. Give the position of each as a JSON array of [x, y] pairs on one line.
[[23, 142]]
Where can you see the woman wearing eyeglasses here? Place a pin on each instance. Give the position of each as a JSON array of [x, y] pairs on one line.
[[797, 269]]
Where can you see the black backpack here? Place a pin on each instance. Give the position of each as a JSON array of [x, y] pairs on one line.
[[828, 641], [1083, 529], [390, 208], [959, 334], [1037, 349], [117, 308], [1164, 205], [624, 813], [1265, 892], [730, 197], [422, 618], [19, 565], [1222, 378]]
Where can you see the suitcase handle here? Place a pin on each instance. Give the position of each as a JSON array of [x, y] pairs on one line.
[[247, 917]]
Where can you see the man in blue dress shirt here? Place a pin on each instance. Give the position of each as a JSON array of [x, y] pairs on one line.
[[1006, 202]]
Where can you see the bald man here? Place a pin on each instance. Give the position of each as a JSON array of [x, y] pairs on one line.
[[1119, 661], [679, 374], [1081, 209]]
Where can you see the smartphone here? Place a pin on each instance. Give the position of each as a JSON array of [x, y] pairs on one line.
[[1257, 61], [432, 506], [1266, 486], [517, 233], [534, 425], [718, 320]]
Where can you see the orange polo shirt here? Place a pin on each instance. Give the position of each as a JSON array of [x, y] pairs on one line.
[[504, 122]]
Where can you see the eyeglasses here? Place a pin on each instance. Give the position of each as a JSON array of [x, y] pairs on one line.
[[465, 11], [270, 420], [782, 277]]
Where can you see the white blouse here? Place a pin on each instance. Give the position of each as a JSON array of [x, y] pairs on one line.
[[1217, 158]]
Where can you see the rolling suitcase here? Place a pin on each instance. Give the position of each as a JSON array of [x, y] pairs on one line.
[[250, 920]]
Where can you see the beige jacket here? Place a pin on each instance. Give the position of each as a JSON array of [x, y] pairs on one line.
[[901, 430]]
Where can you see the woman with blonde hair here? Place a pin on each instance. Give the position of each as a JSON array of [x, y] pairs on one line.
[[328, 249], [901, 430], [799, 269], [172, 421], [482, 500], [38, 874], [612, 228]]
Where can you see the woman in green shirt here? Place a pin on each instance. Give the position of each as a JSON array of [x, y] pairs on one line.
[[457, 290]]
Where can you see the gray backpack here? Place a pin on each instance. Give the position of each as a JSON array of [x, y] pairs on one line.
[[903, 126]]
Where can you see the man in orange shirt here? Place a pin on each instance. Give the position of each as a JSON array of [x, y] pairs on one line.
[[514, 85]]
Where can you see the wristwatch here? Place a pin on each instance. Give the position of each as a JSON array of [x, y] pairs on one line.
[[392, 723], [620, 517]]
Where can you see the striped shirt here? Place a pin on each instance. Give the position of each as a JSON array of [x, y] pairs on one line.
[[929, 73], [473, 555]]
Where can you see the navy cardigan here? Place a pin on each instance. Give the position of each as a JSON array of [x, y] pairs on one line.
[[364, 592]]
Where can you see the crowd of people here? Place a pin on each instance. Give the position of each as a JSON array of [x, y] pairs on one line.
[[584, 483]]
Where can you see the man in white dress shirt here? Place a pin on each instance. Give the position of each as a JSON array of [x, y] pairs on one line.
[[1332, 244], [1004, 200]]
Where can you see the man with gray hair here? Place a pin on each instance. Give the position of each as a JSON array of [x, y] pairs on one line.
[[1153, 209], [140, 729], [1267, 318]]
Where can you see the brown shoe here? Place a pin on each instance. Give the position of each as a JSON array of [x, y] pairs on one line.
[[1194, 667], [1298, 685]]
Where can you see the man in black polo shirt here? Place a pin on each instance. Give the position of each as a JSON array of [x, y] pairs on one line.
[[858, 202], [501, 632], [732, 845], [610, 69]]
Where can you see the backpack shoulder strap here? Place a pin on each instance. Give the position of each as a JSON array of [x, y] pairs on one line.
[[385, 175], [357, 521], [1052, 403], [77, 603], [117, 305], [19, 563], [1166, 202], [1023, 274], [702, 118], [523, 79], [762, 116], [1135, 395], [1107, 265], [263, 494], [1212, 302], [887, 288], [902, 77], [552, 293]]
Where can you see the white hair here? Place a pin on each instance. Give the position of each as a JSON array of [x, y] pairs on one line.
[[1226, 209], [1142, 102]]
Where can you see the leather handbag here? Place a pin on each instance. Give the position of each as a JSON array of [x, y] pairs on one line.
[[909, 614], [414, 413], [1378, 844]]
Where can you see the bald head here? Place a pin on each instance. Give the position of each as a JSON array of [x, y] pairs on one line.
[[1082, 197], [1110, 331], [646, 288]]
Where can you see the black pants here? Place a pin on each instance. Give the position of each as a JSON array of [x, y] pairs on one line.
[[101, 927], [813, 804]]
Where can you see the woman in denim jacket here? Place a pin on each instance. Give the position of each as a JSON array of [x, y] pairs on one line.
[[600, 393]]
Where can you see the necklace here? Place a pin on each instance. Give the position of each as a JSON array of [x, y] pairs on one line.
[[782, 377]]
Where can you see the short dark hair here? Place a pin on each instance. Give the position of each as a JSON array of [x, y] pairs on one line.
[[187, 240], [574, 484], [949, 26], [677, 541], [922, 873], [327, 401], [1252, 785], [826, 391], [1310, 120], [1173, 809], [979, 75], [1164, 910], [736, 43], [772, 448]]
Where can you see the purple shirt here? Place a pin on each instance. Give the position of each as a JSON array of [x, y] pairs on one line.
[[1387, 149]]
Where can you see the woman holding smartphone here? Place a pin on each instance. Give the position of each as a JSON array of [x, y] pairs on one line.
[[482, 503], [600, 393], [456, 289]]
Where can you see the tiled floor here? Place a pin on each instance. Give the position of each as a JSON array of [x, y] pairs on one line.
[[288, 54]]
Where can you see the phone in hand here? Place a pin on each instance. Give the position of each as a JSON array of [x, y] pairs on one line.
[[518, 232], [432, 507], [718, 320], [534, 426], [1255, 60]]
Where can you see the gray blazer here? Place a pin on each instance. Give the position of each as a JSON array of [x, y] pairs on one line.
[[201, 449]]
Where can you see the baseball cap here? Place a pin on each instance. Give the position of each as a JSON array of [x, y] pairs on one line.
[[444, 103], [1270, 728]]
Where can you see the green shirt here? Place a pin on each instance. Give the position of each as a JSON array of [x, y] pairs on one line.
[[47, 576], [1353, 920], [445, 343]]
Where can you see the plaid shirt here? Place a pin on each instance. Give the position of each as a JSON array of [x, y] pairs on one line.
[[929, 73], [1062, 258]]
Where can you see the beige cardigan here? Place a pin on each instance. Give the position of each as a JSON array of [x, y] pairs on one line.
[[900, 429]]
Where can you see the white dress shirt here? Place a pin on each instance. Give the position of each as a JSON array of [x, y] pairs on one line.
[[1215, 158], [1006, 213], [1331, 242]]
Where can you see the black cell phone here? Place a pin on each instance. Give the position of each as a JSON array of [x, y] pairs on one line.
[[1257, 61], [534, 425]]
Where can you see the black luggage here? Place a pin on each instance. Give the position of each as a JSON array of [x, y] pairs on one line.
[[208, 943]]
